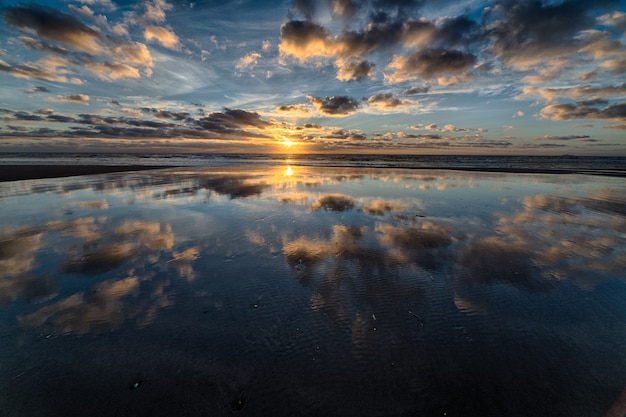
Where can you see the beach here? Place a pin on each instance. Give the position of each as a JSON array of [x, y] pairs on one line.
[[28, 172], [281, 289]]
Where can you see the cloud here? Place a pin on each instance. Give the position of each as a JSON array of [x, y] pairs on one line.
[[550, 95], [248, 61], [155, 10], [73, 46], [429, 63], [387, 102], [301, 110], [112, 71], [615, 19], [135, 53], [416, 90], [232, 119], [107, 4], [56, 26], [337, 106], [564, 138], [354, 70], [585, 110], [528, 33], [164, 36], [48, 68], [74, 98]]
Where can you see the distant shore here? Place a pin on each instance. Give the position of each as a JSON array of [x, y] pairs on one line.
[[31, 172]]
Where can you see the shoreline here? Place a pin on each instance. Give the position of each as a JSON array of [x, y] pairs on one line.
[[33, 172]]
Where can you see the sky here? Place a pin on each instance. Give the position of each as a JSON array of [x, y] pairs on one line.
[[313, 76]]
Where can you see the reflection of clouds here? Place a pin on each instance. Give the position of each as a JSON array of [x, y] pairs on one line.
[[82, 312], [494, 259], [181, 262], [85, 228], [98, 245], [343, 242], [152, 235], [300, 199], [100, 260], [33, 289], [101, 255], [552, 238], [95, 204], [333, 202], [17, 251], [424, 245], [379, 207]]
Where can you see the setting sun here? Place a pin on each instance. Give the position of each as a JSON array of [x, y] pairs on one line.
[[288, 143]]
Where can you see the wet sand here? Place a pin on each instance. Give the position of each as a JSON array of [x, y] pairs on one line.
[[312, 291], [31, 172]]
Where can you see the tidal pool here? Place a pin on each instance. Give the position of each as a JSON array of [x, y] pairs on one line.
[[313, 291]]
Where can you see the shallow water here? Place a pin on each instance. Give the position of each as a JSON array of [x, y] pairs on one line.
[[313, 291]]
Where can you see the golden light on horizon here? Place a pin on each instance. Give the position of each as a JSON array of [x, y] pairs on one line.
[[288, 143]]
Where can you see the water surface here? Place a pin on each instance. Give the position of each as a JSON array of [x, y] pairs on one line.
[[314, 291]]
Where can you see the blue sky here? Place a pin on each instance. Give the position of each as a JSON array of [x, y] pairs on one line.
[[401, 76]]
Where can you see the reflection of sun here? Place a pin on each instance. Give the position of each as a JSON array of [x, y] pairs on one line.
[[288, 172]]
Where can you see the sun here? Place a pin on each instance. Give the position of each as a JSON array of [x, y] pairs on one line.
[[288, 143]]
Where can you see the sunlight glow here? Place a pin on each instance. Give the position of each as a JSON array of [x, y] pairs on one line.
[[288, 143]]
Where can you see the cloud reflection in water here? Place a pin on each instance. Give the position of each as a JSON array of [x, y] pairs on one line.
[[377, 272]]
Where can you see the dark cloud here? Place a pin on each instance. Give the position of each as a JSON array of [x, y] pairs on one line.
[[232, 119], [164, 114], [343, 134], [53, 25], [567, 137], [416, 90], [80, 98], [527, 32], [587, 109], [38, 45], [458, 31], [99, 261], [60, 118], [298, 109], [355, 71], [386, 98], [40, 89], [387, 102], [335, 105], [430, 63]]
